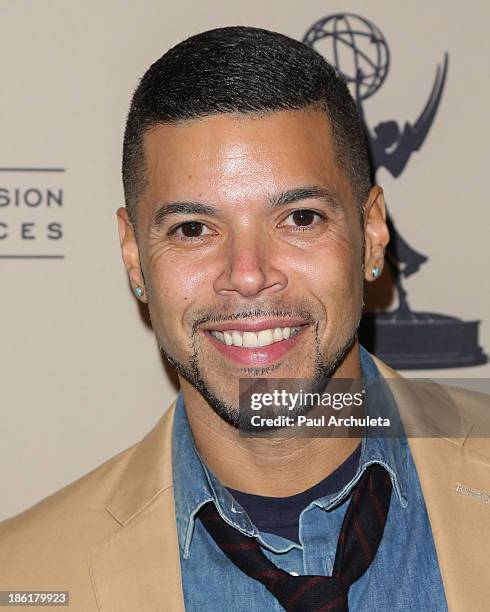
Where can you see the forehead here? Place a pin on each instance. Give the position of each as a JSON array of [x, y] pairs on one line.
[[241, 157]]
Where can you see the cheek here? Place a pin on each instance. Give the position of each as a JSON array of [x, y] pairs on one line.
[[347, 284], [175, 290], [173, 281], [332, 275], [330, 267]]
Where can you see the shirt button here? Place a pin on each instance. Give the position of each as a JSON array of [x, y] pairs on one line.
[[294, 573]]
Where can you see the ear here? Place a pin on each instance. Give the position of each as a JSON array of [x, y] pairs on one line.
[[130, 251], [376, 235]]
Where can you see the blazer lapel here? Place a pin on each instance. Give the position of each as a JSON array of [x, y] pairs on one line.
[[460, 522], [449, 469], [137, 567]]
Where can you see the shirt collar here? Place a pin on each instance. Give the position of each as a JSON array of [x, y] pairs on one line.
[[392, 450], [195, 484]]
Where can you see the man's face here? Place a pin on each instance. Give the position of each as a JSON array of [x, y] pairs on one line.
[[250, 244]]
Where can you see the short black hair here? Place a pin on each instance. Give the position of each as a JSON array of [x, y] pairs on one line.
[[241, 69]]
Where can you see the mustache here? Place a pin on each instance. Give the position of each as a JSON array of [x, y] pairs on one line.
[[253, 312]]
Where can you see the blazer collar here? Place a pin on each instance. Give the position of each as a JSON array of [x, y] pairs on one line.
[[147, 473], [426, 408]]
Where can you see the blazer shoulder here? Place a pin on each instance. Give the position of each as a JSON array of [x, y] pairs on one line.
[[51, 539], [67, 520], [458, 414]]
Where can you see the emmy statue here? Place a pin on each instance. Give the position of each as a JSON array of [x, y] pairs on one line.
[[403, 338]]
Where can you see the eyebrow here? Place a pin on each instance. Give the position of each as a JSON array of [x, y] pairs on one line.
[[328, 196], [181, 208], [299, 194]]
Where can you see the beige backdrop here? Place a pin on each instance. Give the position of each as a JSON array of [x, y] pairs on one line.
[[81, 377]]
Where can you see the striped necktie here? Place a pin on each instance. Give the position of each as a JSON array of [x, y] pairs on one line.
[[359, 539]]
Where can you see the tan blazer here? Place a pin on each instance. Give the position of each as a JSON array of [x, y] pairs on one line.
[[110, 537]]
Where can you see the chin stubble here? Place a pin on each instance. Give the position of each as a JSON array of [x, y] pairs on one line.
[[324, 368]]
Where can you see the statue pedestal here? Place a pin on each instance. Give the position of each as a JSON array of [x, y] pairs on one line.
[[421, 340]]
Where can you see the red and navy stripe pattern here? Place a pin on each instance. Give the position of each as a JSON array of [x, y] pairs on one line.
[[359, 539]]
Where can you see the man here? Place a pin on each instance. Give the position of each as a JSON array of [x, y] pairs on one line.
[[249, 228]]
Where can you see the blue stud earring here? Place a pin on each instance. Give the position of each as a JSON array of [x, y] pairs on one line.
[[138, 291], [376, 272]]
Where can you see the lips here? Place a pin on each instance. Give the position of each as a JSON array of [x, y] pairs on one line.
[[260, 346]]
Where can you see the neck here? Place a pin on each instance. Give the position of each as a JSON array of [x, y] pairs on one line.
[[276, 467]]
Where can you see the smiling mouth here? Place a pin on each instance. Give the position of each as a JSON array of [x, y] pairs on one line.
[[251, 339], [254, 348]]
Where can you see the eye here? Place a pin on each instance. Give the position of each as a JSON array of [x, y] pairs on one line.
[[303, 218], [189, 230]]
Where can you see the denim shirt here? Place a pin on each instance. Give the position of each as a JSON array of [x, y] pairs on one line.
[[404, 575]]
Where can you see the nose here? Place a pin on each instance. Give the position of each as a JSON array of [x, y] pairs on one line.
[[249, 268]]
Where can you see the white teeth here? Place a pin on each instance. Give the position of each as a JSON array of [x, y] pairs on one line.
[[264, 337], [237, 339], [250, 339]]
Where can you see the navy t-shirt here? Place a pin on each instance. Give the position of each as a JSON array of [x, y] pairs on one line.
[[280, 515]]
